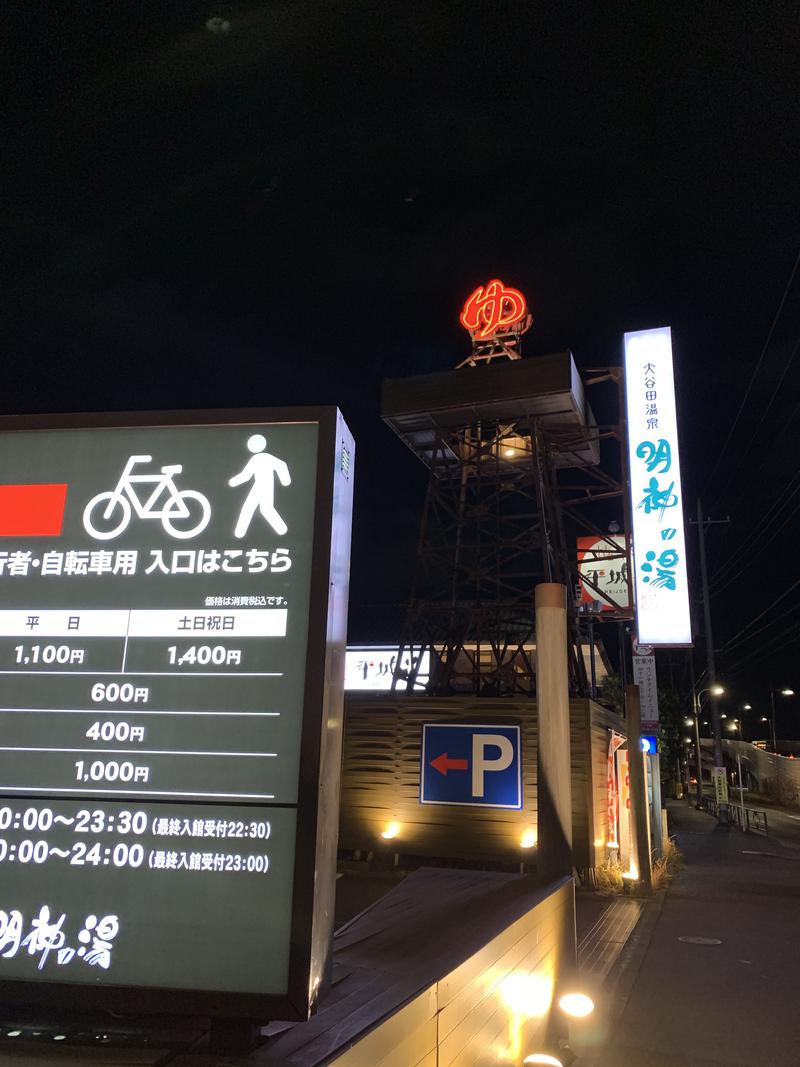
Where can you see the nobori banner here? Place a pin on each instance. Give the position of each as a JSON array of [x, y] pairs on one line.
[[659, 550], [173, 594]]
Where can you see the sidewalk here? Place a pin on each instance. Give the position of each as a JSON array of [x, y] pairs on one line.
[[727, 1004]]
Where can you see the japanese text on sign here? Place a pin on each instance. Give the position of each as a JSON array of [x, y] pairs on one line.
[[659, 550], [153, 648]]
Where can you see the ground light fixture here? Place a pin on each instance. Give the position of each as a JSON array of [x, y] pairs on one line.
[[544, 1058], [527, 996], [578, 1005], [528, 839], [391, 831], [632, 874]]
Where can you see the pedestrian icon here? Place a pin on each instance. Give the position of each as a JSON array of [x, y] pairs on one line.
[[261, 469]]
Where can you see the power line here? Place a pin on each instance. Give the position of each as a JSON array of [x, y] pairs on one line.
[[781, 640], [745, 495], [754, 375], [760, 616], [789, 491], [763, 545], [749, 637], [775, 392]]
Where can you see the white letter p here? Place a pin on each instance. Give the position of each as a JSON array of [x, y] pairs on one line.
[[480, 764]]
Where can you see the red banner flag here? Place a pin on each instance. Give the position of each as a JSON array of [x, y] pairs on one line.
[[32, 510]]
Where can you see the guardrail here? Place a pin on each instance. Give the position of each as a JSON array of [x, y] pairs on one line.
[[757, 821], [711, 806], [754, 820]]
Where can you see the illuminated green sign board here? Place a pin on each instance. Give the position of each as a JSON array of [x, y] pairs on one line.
[[173, 594]]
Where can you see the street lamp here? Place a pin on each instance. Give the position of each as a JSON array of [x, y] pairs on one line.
[[697, 696], [745, 707], [783, 693]]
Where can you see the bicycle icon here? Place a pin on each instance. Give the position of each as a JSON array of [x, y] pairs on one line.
[[183, 513]]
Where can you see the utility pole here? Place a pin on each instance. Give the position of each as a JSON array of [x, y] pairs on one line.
[[696, 709], [711, 669]]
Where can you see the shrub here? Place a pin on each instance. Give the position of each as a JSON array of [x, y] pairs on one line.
[[667, 866], [608, 876]]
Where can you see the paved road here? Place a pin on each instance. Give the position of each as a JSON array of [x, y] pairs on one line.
[[728, 1004], [783, 823], [784, 827]]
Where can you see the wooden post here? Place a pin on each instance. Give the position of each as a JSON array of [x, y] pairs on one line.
[[554, 775], [636, 758]]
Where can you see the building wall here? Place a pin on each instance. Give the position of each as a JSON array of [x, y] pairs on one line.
[[493, 1008], [381, 772]]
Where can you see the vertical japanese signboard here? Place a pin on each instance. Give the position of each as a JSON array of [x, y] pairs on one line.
[[644, 675], [719, 777], [660, 576], [173, 600]]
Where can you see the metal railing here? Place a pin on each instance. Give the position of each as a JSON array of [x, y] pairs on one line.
[[711, 806], [754, 820], [757, 821]]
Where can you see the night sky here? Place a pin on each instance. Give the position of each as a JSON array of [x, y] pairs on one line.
[[289, 208]]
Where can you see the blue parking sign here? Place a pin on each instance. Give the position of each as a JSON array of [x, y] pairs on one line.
[[477, 766]]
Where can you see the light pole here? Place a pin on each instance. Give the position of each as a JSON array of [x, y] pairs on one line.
[[736, 724], [697, 695], [783, 693], [745, 707]]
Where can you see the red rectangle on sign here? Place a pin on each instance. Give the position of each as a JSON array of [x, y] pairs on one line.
[[32, 510]]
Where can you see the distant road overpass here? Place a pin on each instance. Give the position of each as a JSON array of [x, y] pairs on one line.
[[765, 772]]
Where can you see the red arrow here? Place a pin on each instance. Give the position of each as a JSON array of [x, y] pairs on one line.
[[443, 764]]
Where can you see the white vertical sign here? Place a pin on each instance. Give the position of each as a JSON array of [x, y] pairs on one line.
[[644, 675], [659, 550]]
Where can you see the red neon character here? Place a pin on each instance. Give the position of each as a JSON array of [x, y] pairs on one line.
[[492, 309]]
